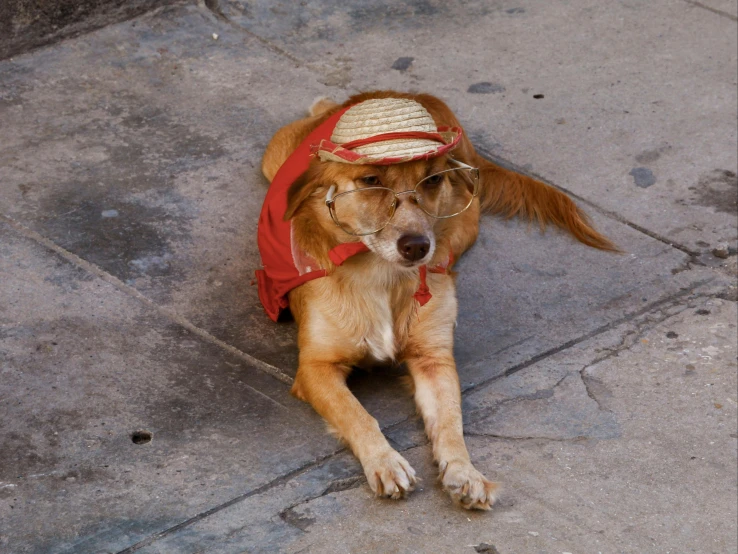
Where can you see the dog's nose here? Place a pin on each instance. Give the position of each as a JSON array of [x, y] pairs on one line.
[[413, 247]]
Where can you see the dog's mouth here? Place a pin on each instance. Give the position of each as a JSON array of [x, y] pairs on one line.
[[413, 265], [407, 252]]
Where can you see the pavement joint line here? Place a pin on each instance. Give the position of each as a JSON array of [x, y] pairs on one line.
[[612, 215], [599, 330], [711, 9], [275, 372], [641, 328], [240, 498], [351, 481], [213, 6], [317, 463], [130, 291], [484, 414], [581, 438], [263, 488]]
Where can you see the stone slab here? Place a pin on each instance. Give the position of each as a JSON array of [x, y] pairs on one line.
[[629, 105], [137, 148], [83, 366], [28, 24], [661, 477]]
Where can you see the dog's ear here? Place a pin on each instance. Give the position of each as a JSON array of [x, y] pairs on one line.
[[297, 194], [304, 186]]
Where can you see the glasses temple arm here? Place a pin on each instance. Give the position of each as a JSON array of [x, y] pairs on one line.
[[329, 196], [461, 164]]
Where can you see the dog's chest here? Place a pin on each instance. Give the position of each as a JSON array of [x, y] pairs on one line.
[[370, 309], [378, 336], [388, 312]]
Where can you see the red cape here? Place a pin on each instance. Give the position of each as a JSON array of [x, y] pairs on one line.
[[284, 265]]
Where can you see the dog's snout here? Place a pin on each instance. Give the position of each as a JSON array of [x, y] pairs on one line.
[[413, 247]]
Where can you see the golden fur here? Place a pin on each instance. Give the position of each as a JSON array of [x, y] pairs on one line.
[[364, 312]]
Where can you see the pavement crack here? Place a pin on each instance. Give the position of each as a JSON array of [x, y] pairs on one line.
[[220, 507], [135, 293], [340, 485], [213, 6], [540, 394], [290, 516], [711, 9], [589, 387], [690, 263], [663, 302], [526, 438], [630, 337], [293, 517]]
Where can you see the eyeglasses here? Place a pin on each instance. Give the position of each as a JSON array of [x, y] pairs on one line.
[[368, 210]]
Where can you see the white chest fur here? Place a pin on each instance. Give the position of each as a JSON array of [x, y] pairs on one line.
[[358, 307], [379, 337]]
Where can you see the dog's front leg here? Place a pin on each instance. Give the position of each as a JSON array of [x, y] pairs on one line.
[[438, 397], [323, 385]]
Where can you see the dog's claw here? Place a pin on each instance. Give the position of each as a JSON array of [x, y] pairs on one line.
[[389, 475], [467, 486]]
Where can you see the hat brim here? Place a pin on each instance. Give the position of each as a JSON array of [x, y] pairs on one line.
[[399, 152]]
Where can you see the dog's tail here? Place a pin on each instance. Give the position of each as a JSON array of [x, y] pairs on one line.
[[321, 105], [510, 194]]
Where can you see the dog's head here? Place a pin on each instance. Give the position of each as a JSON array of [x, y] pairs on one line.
[[408, 234]]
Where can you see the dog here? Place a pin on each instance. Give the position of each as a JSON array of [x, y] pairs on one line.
[[365, 295]]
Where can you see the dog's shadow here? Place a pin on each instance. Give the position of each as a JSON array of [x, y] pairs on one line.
[[384, 391]]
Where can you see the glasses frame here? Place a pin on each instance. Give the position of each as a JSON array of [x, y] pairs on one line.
[[330, 198]]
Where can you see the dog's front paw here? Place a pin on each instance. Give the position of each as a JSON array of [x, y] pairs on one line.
[[467, 486], [389, 475]]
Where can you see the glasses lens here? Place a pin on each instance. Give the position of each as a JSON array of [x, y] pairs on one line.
[[364, 211], [448, 192]]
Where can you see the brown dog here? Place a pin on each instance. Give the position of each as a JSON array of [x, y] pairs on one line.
[[366, 310]]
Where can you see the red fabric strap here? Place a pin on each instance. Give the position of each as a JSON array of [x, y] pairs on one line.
[[393, 136], [344, 251], [422, 295], [344, 152]]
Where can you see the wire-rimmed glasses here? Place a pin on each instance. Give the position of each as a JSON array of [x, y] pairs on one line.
[[368, 210]]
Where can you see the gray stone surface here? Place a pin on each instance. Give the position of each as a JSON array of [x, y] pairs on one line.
[[133, 134], [643, 477], [129, 193], [84, 366], [26, 24], [646, 84]]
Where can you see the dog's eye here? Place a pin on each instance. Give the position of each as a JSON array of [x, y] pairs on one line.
[[371, 181], [433, 180]]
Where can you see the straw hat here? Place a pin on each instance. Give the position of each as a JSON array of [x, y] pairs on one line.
[[386, 131]]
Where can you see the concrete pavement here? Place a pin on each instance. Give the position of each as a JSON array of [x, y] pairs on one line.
[[600, 389]]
